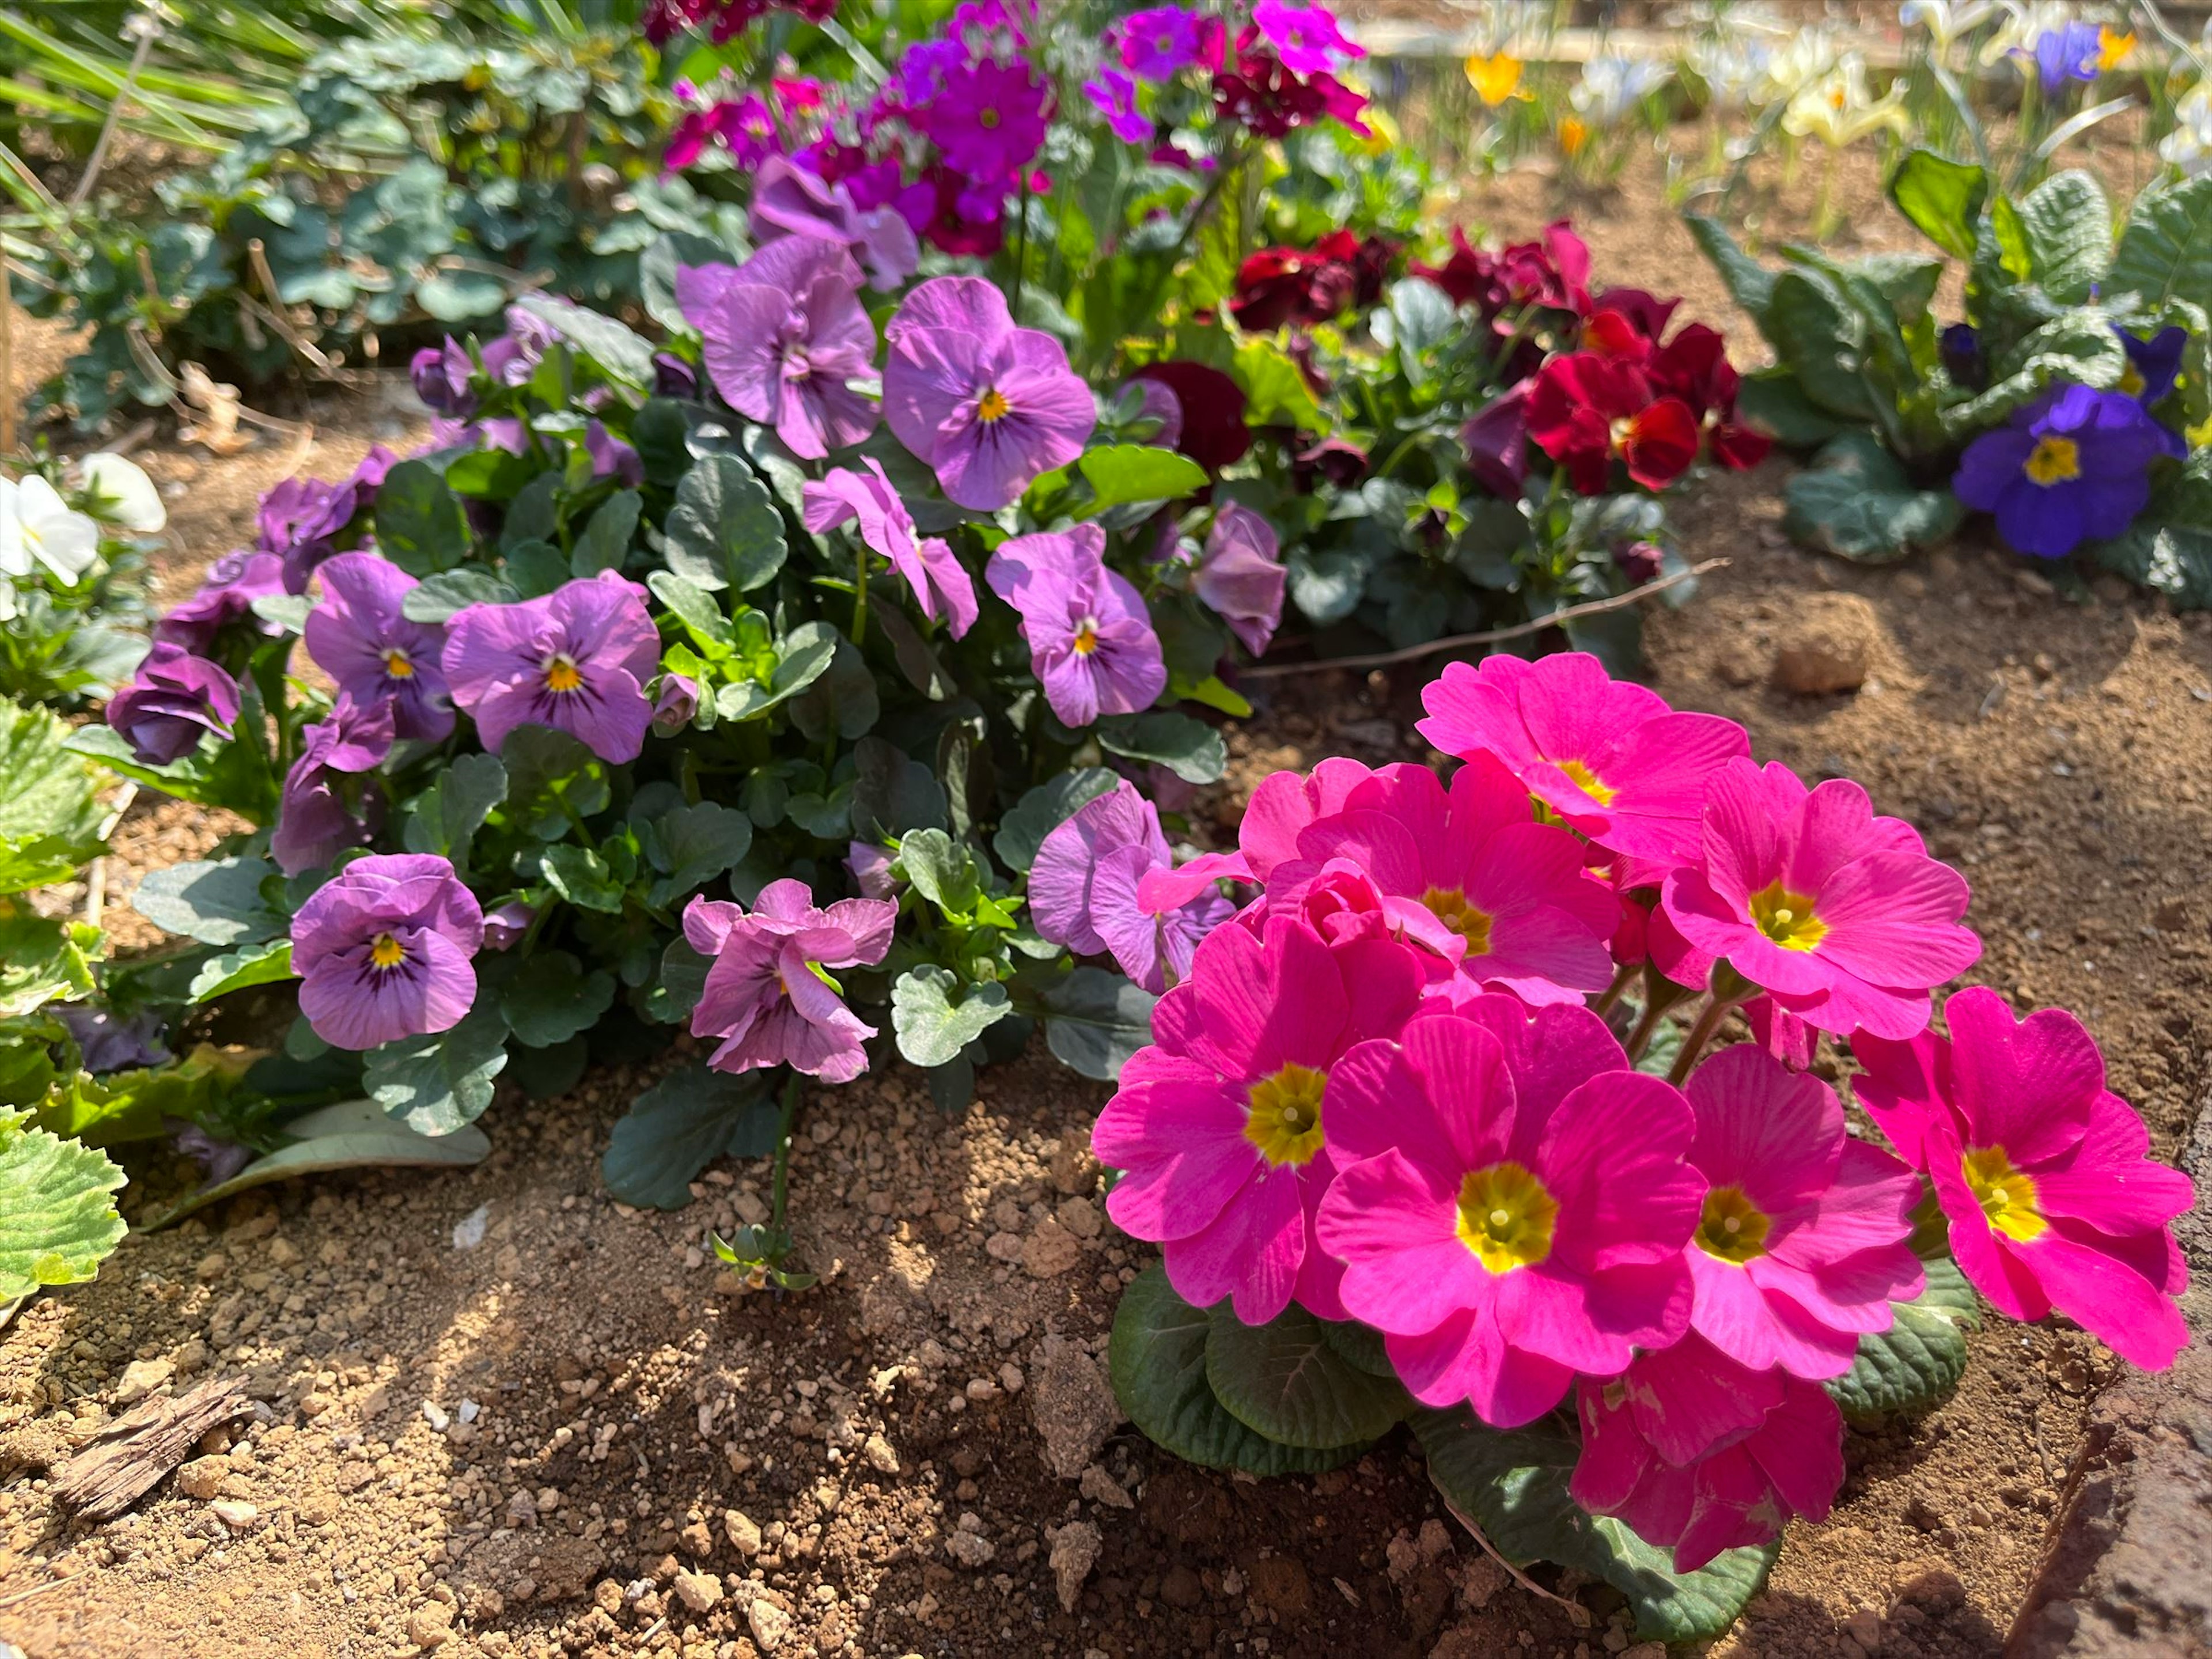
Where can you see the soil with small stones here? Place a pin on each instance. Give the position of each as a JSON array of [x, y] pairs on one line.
[[500, 1414]]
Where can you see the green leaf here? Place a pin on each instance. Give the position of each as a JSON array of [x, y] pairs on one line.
[[682, 980], [1285, 1380], [1823, 339], [2068, 223], [419, 526], [436, 598], [1359, 1346], [1043, 810], [216, 902], [942, 870], [461, 296], [2078, 348], [445, 818], [1513, 1485], [625, 355], [435, 1083], [932, 1027], [549, 1074], [680, 1126], [353, 1134], [57, 1218], [49, 817], [1156, 1358], [1915, 1365], [580, 876], [1749, 283], [893, 792], [703, 619], [1095, 1020], [265, 963], [840, 697], [1275, 389], [551, 998], [1190, 749], [724, 531], [42, 961], [1772, 399], [1943, 197], [2168, 547], [553, 780], [1856, 502], [1122, 473], [2166, 248], [692, 845], [1424, 318], [605, 543]]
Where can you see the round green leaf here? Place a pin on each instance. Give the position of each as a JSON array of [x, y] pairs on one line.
[[551, 998], [932, 1027], [1915, 1365], [57, 1215], [1286, 1380]]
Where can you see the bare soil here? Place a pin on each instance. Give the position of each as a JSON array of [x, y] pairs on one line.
[[535, 1443]]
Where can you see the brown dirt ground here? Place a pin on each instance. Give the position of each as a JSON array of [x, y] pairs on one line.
[[533, 1446]]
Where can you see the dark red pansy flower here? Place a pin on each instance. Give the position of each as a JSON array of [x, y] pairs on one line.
[[1693, 366], [1214, 430], [1553, 270], [1585, 411]]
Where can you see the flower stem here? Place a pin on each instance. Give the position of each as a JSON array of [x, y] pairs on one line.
[[1613, 992], [860, 593], [1730, 989], [783, 1181]]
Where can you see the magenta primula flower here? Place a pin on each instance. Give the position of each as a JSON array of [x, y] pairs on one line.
[[383, 950], [767, 997], [1610, 758], [1281, 807], [576, 660], [1807, 894], [1091, 639], [315, 821], [1083, 891], [172, 701], [2044, 1172], [988, 405], [359, 636], [990, 118], [1307, 38], [1218, 1126], [232, 583], [1114, 95], [1699, 1454], [1803, 1242], [1240, 575], [1508, 1217], [940, 582], [1159, 42], [1471, 875], [785, 334]]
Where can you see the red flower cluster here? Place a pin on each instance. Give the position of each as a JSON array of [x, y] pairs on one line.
[[1279, 285], [724, 19], [1625, 396], [1553, 270], [1269, 101]]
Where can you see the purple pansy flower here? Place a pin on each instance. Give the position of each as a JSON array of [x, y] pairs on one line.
[[794, 201], [1240, 575], [359, 636], [672, 377], [1158, 401], [576, 660], [988, 405], [172, 700], [2070, 467], [513, 357], [1306, 38], [234, 582], [441, 374], [2153, 365], [871, 868], [1114, 94], [611, 457], [505, 924], [784, 333], [301, 519], [1091, 641], [1082, 891], [765, 999], [314, 822], [1497, 441], [1161, 41], [109, 1041], [383, 950], [674, 704], [940, 582]]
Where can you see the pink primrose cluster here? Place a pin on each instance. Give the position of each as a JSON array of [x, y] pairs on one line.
[[1383, 1090]]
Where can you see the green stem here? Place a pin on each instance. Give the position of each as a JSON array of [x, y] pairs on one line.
[[860, 593], [1613, 992], [1022, 245], [780, 1187], [1729, 990]]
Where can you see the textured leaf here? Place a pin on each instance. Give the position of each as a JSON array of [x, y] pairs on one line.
[[680, 1126], [42, 961], [550, 998], [1156, 1357], [57, 1217], [1822, 339], [724, 531], [1043, 810], [435, 1083], [1855, 501], [692, 845], [445, 818], [2169, 546], [1750, 283], [1095, 1020], [625, 355], [1190, 749], [552, 779], [1943, 197], [1915, 1365], [1285, 1380], [419, 526], [216, 902], [2166, 249], [49, 819], [2067, 224], [933, 1028], [436, 598], [267, 962], [580, 876], [1358, 1345], [605, 543]]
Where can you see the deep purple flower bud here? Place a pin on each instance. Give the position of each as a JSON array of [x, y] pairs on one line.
[[441, 374], [677, 702], [507, 923], [172, 700], [674, 377], [234, 582]]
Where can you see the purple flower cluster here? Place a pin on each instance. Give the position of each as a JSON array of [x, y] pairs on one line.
[[786, 335], [304, 520]]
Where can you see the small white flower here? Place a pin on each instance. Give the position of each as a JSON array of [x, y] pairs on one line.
[[1944, 21], [1808, 56], [124, 495], [1839, 109], [1613, 85], [2189, 146], [34, 524], [1735, 72]]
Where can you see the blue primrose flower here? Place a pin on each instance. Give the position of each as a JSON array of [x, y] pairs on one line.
[[1961, 347], [2072, 51], [2153, 365], [2072, 467]]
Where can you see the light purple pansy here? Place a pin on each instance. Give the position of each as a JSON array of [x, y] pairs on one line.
[[359, 636], [1240, 575], [315, 821], [988, 405], [1091, 640], [383, 950], [234, 582], [784, 334], [611, 457], [941, 584], [674, 702], [507, 923], [871, 868], [765, 999], [576, 660], [302, 519], [1082, 891], [789, 200], [171, 702], [1156, 401]]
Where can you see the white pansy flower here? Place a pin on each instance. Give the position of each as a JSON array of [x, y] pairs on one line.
[[35, 526], [1612, 85], [1808, 57], [2189, 146], [122, 494], [1839, 109]]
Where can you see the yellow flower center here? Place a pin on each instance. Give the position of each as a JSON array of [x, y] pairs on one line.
[[2054, 460], [1449, 905], [2007, 1195], [1787, 918], [1283, 1115], [398, 664], [988, 120], [1622, 429], [1086, 636], [562, 673], [1587, 781], [385, 952], [1837, 97], [1505, 1217], [992, 407], [2131, 381], [1733, 1228]]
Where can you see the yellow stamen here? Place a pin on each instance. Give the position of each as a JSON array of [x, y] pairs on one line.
[[2054, 460], [562, 673], [1086, 636], [1472, 923], [1284, 1115], [2007, 1195], [988, 120], [1587, 781], [385, 952], [1622, 430], [1505, 1217], [2131, 380], [398, 665], [1732, 1228], [992, 407], [1787, 918]]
